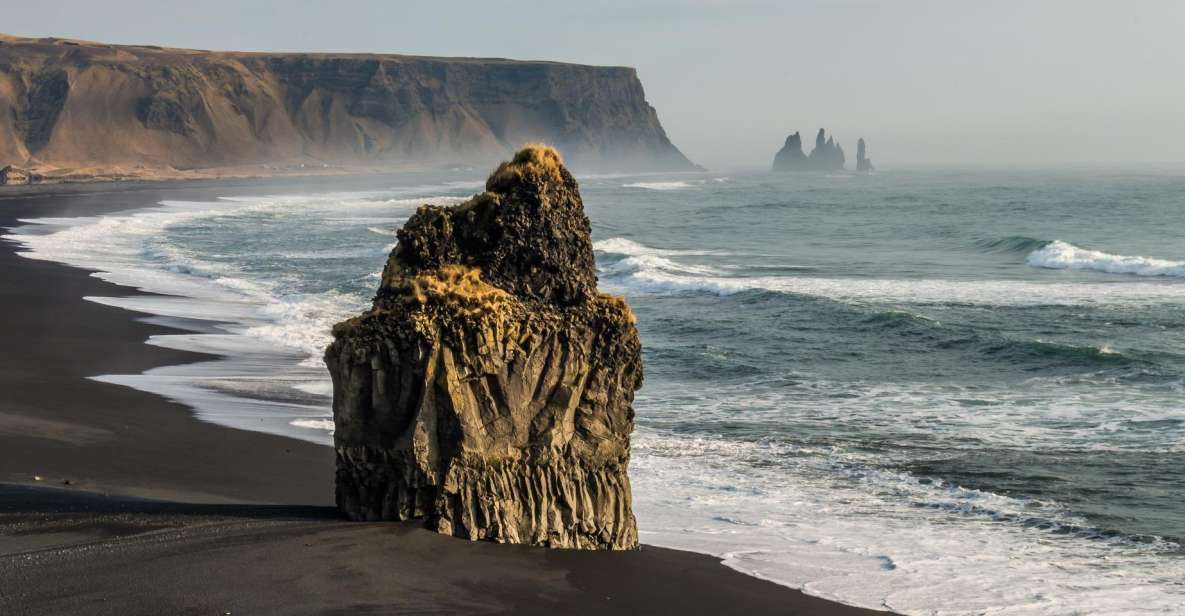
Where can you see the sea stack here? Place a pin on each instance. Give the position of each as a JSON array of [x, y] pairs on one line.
[[863, 163], [827, 155], [790, 157], [489, 390]]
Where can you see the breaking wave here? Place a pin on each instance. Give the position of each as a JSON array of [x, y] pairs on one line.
[[1064, 255], [388, 232], [1012, 243], [622, 246], [658, 185], [653, 270], [759, 504]]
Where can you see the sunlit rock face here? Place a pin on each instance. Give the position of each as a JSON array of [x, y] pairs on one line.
[[71, 108], [489, 390]]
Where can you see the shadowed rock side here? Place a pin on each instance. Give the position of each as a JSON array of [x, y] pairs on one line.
[[78, 108], [490, 388], [827, 155]]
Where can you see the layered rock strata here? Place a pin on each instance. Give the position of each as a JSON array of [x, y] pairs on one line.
[[489, 390], [78, 108]]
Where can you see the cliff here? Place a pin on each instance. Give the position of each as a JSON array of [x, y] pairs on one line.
[[490, 389], [827, 155], [82, 108]]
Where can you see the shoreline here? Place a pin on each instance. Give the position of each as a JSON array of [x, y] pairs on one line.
[[230, 500]]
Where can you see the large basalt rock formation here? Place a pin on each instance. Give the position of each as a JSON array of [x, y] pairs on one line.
[[827, 155], [490, 388]]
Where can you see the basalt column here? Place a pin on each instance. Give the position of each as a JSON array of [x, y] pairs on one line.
[[489, 390]]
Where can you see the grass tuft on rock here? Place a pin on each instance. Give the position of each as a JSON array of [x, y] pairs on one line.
[[535, 162], [457, 288]]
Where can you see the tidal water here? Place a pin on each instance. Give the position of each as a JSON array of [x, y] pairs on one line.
[[937, 392]]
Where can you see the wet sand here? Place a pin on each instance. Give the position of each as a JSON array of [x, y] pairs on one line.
[[114, 501]]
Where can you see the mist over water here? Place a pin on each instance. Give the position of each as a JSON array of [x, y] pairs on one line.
[[949, 393]]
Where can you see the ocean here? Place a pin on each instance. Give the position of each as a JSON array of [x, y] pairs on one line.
[[936, 392]]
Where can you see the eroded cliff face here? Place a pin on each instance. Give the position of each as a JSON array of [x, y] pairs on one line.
[[489, 390], [75, 106]]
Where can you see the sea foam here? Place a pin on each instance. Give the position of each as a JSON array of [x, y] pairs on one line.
[[824, 522], [270, 337]]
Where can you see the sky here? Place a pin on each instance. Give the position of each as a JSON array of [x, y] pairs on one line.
[[1043, 82]]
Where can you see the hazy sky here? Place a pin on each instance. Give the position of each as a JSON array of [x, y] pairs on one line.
[[950, 82]]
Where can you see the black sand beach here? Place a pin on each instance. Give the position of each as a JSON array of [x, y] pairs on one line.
[[114, 501]]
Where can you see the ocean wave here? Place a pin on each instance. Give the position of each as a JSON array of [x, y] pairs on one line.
[[652, 270], [898, 319], [1063, 255], [1012, 243], [1055, 351], [921, 291], [1014, 352], [131, 250], [655, 263], [305, 321], [816, 518], [314, 424], [365, 200], [320, 387], [658, 185], [623, 246]]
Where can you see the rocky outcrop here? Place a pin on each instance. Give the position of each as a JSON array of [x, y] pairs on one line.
[[77, 106], [863, 163], [827, 155], [790, 157], [11, 176], [489, 390]]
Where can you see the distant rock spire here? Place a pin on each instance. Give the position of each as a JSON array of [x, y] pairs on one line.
[[863, 163]]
